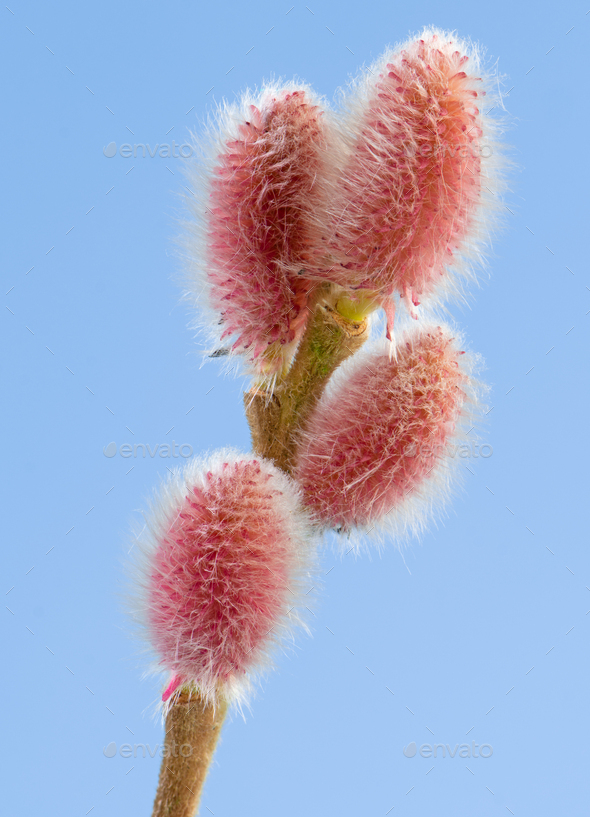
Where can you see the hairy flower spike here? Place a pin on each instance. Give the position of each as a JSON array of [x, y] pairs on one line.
[[260, 213], [227, 550], [407, 203], [375, 449]]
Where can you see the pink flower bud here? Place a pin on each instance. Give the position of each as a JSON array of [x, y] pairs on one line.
[[408, 202], [260, 205], [223, 564], [375, 449]]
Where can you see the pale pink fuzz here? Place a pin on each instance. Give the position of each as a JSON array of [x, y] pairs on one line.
[[227, 551], [406, 203], [375, 448], [262, 198]]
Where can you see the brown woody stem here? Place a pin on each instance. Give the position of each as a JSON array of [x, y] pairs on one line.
[[276, 420], [192, 730]]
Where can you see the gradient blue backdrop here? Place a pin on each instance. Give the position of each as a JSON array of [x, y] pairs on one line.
[[471, 638]]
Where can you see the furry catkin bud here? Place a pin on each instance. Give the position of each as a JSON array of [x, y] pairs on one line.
[[262, 196], [406, 204], [226, 554], [375, 447]]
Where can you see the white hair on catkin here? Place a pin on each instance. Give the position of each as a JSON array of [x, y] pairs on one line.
[[247, 548], [336, 460], [264, 294], [382, 136]]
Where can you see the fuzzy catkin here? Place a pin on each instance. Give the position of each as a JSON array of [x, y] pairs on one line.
[[407, 210], [227, 552], [260, 223], [375, 449]]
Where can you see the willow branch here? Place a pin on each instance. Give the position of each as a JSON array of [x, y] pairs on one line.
[[192, 730], [276, 420]]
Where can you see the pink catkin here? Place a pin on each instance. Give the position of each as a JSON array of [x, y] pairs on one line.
[[228, 548], [262, 197], [405, 201], [378, 438]]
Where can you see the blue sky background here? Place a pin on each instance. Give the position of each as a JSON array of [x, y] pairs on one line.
[[471, 638]]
